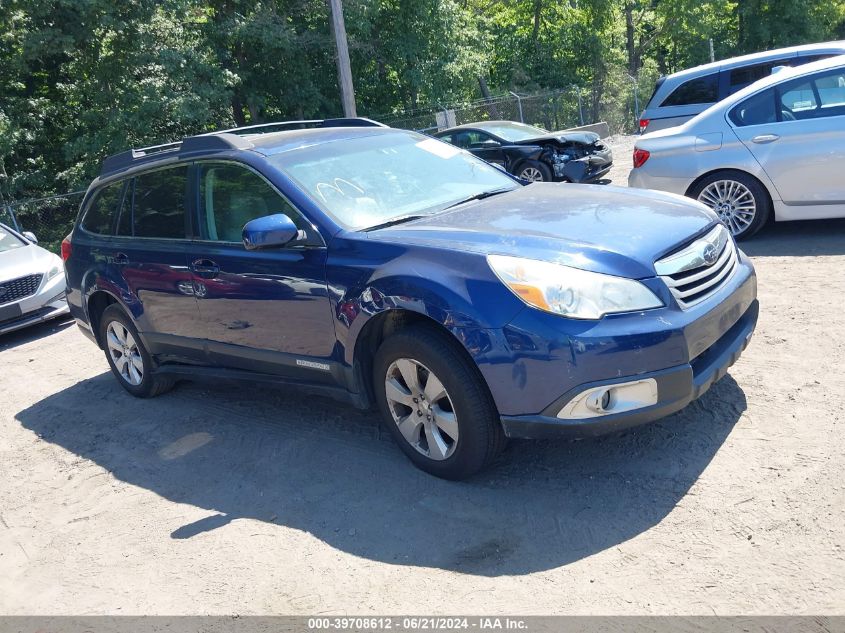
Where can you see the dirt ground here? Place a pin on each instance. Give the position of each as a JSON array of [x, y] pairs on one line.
[[233, 499]]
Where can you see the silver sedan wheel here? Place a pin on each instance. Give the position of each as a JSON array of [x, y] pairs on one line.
[[124, 353], [531, 174], [421, 408], [732, 201]]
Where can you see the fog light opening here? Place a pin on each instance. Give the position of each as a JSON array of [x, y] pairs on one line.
[[611, 399]]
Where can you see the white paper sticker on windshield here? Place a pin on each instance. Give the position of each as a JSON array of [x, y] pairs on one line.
[[439, 148]]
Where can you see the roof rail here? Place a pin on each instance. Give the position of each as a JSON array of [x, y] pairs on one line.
[[220, 140], [262, 128]]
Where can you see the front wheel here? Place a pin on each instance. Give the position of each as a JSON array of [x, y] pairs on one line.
[[739, 200], [534, 171], [435, 404]]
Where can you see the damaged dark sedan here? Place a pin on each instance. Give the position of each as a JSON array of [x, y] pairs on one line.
[[533, 154]]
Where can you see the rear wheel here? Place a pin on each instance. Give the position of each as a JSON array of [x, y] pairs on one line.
[[435, 404], [534, 171], [740, 201], [128, 358]]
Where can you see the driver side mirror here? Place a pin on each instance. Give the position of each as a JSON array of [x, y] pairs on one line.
[[30, 236], [270, 231]]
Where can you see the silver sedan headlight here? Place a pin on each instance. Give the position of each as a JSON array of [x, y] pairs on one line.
[[571, 292]]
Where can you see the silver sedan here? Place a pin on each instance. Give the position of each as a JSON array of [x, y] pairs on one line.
[[776, 148]]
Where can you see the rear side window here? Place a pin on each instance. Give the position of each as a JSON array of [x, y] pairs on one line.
[[158, 203], [695, 91], [739, 78], [99, 218], [756, 110]]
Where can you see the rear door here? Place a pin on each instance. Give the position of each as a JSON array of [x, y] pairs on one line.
[[265, 310], [796, 131], [149, 253]]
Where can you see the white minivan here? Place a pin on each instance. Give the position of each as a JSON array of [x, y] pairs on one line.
[[680, 96]]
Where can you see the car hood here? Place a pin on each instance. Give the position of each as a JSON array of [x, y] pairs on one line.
[[26, 260], [580, 138], [613, 230]]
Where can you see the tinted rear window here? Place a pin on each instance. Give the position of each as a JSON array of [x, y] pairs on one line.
[[99, 218], [747, 75], [159, 203], [695, 91]]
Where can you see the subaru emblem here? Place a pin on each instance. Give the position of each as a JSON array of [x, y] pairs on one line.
[[3, 290]]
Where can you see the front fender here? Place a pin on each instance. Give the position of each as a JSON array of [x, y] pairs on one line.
[[454, 289]]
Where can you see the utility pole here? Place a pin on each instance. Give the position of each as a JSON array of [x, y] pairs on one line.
[[712, 55], [344, 69]]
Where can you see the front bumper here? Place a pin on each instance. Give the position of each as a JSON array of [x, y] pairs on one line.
[[676, 387], [46, 304], [540, 362]]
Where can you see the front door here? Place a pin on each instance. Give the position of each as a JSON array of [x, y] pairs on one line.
[[803, 150], [265, 310]]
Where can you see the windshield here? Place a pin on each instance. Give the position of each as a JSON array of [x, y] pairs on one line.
[[8, 240], [512, 131], [369, 180]]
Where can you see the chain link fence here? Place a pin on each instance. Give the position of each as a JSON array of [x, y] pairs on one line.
[[553, 110], [50, 218]]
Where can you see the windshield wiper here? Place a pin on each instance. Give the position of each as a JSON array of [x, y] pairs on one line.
[[480, 196], [400, 220]]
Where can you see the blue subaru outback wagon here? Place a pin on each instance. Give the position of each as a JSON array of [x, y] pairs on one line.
[[391, 270]]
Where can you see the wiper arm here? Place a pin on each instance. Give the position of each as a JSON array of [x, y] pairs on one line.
[[399, 220], [480, 196]]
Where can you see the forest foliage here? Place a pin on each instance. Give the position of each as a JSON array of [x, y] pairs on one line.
[[80, 79]]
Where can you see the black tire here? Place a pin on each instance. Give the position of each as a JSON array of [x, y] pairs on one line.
[[480, 435], [150, 384], [761, 200], [532, 167]]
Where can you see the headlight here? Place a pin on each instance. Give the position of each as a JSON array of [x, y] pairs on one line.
[[54, 270], [571, 292]]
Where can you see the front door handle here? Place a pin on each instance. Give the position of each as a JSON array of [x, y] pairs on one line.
[[765, 138], [205, 268]]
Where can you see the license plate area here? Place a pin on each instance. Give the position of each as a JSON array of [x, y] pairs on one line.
[[7, 313]]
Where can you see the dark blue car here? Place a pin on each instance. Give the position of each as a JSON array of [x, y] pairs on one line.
[[391, 270]]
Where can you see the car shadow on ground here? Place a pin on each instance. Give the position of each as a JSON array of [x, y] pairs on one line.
[[247, 452], [34, 332], [811, 238]]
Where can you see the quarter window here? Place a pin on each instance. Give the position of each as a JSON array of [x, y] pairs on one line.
[[159, 203], [231, 196], [700, 90], [99, 218]]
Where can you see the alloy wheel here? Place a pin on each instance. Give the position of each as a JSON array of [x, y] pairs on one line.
[[421, 408], [732, 201], [531, 174], [124, 353]]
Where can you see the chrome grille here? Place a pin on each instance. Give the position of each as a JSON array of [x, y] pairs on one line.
[[698, 270], [17, 289]]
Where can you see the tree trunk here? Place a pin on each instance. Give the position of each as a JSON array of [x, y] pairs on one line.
[[485, 92], [630, 41]]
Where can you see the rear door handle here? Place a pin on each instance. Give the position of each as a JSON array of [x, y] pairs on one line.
[[205, 268], [120, 259], [765, 138]]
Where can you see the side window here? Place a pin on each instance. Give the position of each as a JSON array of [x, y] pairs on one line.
[[447, 138], [480, 140], [462, 140], [797, 100], [747, 75], [831, 89], [700, 90], [99, 218], [158, 203], [231, 196], [124, 217], [755, 110]]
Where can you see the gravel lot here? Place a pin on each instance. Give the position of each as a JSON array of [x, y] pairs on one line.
[[229, 499]]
